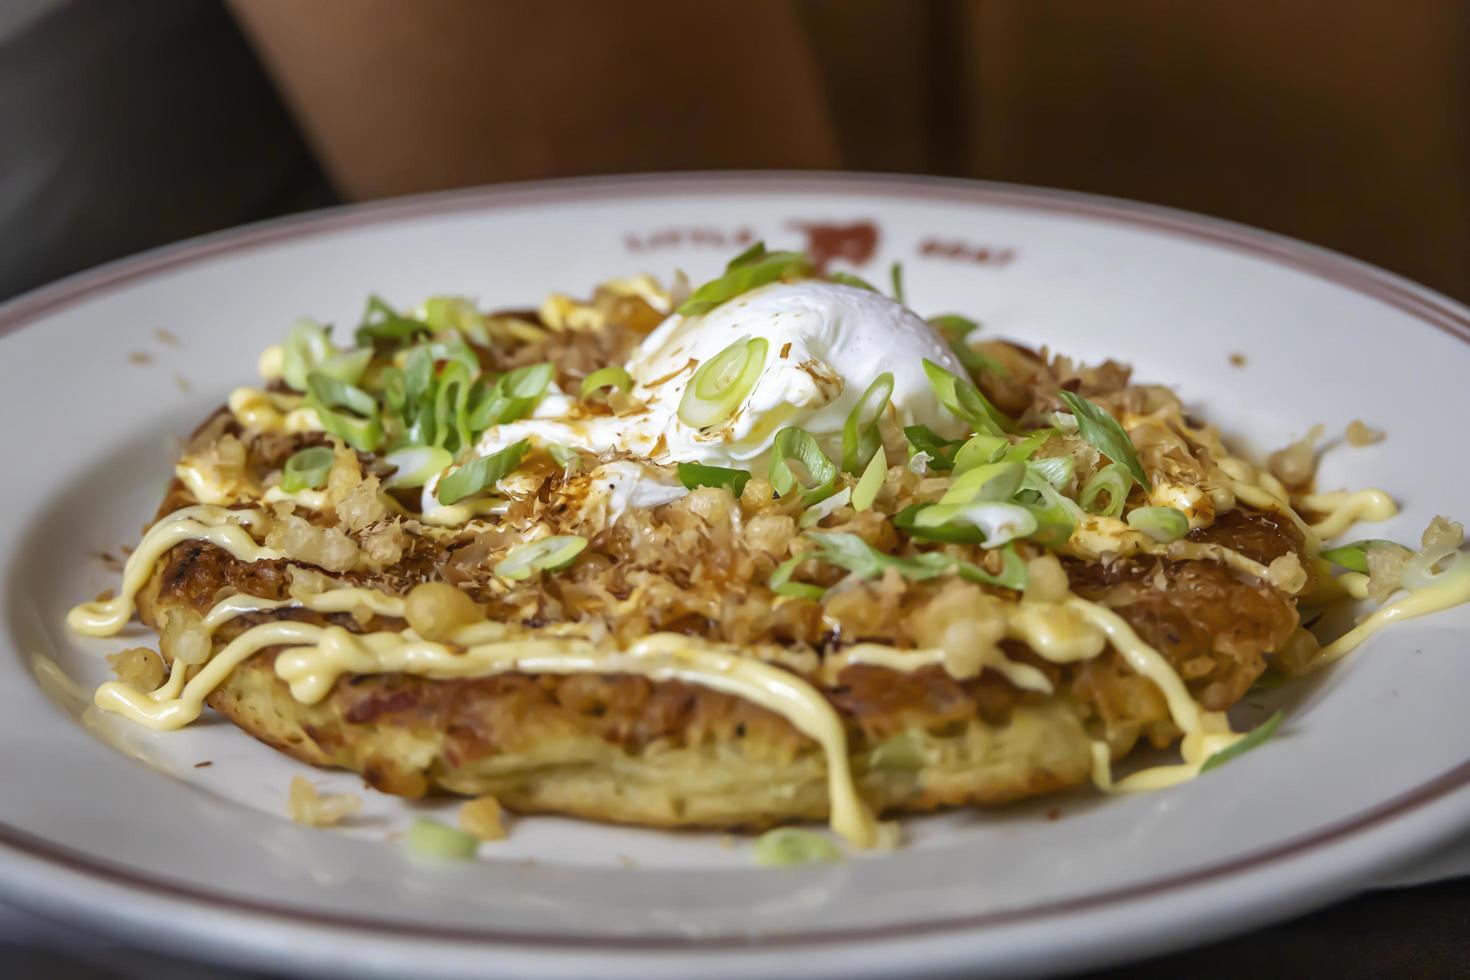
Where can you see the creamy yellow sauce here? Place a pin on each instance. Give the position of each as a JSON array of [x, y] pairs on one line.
[[203, 522], [272, 411], [1343, 509], [1453, 590]]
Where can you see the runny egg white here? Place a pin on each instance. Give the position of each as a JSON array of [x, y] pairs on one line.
[[825, 344]]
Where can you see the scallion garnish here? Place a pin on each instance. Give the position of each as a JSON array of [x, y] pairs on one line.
[[750, 269], [850, 552], [942, 452], [1354, 556], [985, 483], [1257, 736], [452, 391], [306, 347], [722, 383], [870, 482], [906, 520], [814, 514], [381, 322], [541, 555], [1096, 425], [895, 273], [347, 366], [527, 383], [415, 466], [363, 428], [612, 376], [787, 846], [565, 456], [696, 475], [480, 473], [956, 330], [793, 445], [1056, 515], [848, 279], [860, 435], [1056, 470], [781, 584], [433, 839], [1106, 491], [307, 469], [1028, 446], [980, 449], [997, 522], [965, 401], [444, 314], [1163, 524]]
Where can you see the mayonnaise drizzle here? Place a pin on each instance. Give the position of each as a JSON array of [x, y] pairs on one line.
[[203, 522], [1343, 509], [1450, 589]]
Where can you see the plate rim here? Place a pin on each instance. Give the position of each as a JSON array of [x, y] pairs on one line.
[[1417, 301]]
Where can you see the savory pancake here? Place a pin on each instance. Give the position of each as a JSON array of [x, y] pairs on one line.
[[789, 552]]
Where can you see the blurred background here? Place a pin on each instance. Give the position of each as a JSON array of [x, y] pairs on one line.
[[126, 124]]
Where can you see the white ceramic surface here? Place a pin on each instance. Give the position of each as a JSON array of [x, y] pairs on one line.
[[117, 827]]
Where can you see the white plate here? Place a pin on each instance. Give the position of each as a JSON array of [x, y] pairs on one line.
[[115, 826]]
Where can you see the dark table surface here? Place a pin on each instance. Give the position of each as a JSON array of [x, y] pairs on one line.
[[1407, 932]]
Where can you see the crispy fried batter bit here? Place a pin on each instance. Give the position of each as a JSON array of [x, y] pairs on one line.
[[483, 817], [306, 806]]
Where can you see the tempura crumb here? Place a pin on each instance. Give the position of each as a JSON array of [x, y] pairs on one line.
[[1237, 360], [306, 806], [138, 667], [1358, 434], [482, 818]]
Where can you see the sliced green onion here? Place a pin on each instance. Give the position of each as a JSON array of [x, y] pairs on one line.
[[1056, 515], [965, 401], [956, 330], [527, 383], [416, 465], [307, 346], [480, 473], [941, 451], [998, 522], [1012, 574], [307, 469], [981, 448], [381, 322], [985, 483], [1257, 736], [793, 445], [696, 475], [1113, 480], [1096, 425], [1163, 524], [870, 482], [363, 429], [1056, 470], [1354, 556], [860, 435], [848, 279], [781, 584], [612, 376], [1028, 446], [453, 349], [723, 382], [814, 514], [348, 366], [787, 846], [852, 553], [452, 392], [752, 253], [565, 456], [750, 269], [895, 273], [541, 555], [455, 313], [433, 839], [906, 520]]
